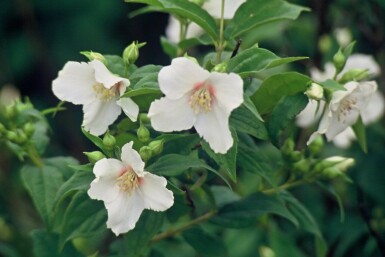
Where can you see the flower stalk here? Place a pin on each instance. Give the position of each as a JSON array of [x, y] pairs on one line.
[[221, 26]]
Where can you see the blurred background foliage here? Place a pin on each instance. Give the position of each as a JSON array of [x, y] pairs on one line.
[[38, 36]]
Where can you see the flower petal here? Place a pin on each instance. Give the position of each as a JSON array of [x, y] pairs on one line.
[[124, 212], [104, 76], [74, 83], [154, 192], [344, 139], [320, 76], [214, 8], [180, 77], [104, 189], [213, 126], [364, 62], [339, 124], [374, 110], [228, 90], [108, 168], [129, 107], [99, 115], [173, 30], [310, 114], [171, 115], [130, 157]]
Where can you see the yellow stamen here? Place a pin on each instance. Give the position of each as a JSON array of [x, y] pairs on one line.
[[128, 181], [104, 94], [346, 106], [200, 101]]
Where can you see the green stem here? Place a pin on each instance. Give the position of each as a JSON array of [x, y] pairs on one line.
[[221, 26], [283, 187], [172, 232], [35, 157]]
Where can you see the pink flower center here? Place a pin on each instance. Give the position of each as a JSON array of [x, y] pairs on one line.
[[128, 180], [202, 97]]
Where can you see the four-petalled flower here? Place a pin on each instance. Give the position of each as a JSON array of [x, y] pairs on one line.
[[344, 108], [98, 90], [196, 97], [127, 189]]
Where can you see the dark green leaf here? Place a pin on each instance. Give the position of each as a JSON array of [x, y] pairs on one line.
[[83, 217], [227, 161], [187, 10], [256, 59], [94, 139], [45, 244], [277, 86], [332, 85], [244, 212], [359, 131], [349, 49], [204, 243], [168, 47], [179, 143], [284, 112], [116, 65], [255, 13]]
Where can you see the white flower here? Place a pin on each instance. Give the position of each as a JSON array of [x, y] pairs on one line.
[[196, 97], [311, 113], [127, 190], [98, 90], [213, 7], [355, 61], [345, 108], [343, 36]]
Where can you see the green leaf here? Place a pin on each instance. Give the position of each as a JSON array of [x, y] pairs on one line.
[[244, 119], [168, 47], [94, 139], [80, 181], [256, 59], [277, 86], [196, 41], [45, 244], [175, 164], [188, 10], [255, 13], [42, 185], [136, 242], [179, 143], [115, 64], [359, 131], [205, 244], [227, 161], [307, 222], [243, 213], [83, 217], [332, 85], [284, 112], [349, 49]]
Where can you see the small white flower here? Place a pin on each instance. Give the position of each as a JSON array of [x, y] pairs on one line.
[[345, 108], [127, 190], [196, 97], [355, 61], [98, 90], [213, 7]]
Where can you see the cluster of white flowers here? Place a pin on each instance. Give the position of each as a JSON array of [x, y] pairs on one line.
[[359, 99], [193, 97]]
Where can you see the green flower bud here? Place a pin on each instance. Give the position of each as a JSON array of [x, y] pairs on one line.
[[287, 147], [295, 156], [315, 91], [94, 156], [156, 146], [339, 61], [222, 67], [354, 75], [316, 146], [131, 52], [21, 137], [265, 251], [94, 56], [143, 117], [340, 163], [302, 166], [325, 43], [145, 153], [109, 141], [11, 111], [11, 136], [331, 172], [143, 133], [29, 128]]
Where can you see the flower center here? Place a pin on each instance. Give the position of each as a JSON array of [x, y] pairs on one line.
[[128, 180], [201, 99], [346, 106], [105, 94]]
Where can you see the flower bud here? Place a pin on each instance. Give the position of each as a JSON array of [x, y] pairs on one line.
[[29, 128], [302, 166], [295, 156], [222, 67], [94, 156], [341, 163], [339, 61], [287, 147], [343, 36], [354, 75], [10, 111], [315, 91], [109, 141], [11, 136], [145, 153], [316, 146], [94, 56], [143, 133], [21, 137], [265, 251], [325, 43], [156, 146], [131, 53], [331, 172]]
